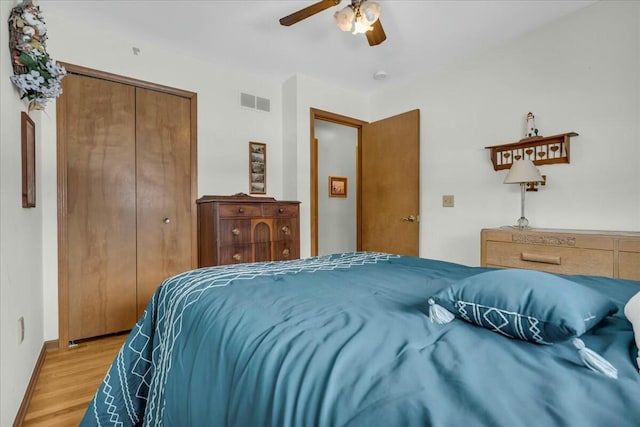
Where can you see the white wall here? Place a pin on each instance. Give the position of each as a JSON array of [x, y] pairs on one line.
[[582, 74], [303, 93], [20, 245], [337, 216]]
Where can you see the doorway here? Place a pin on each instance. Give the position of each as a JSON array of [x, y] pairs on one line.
[[337, 211], [331, 122], [387, 187]]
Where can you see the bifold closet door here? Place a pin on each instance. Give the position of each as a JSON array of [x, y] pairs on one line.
[[163, 177], [101, 205]]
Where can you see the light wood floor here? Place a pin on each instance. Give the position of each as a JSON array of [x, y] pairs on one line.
[[68, 380]]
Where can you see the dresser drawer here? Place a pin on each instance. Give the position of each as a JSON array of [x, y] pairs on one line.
[[234, 231], [629, 265], [235, 254], [239, 210], [552, 259], [277, 209], [285, 229], [286, 250]]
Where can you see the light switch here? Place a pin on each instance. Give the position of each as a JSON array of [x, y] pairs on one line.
[[448, 201]]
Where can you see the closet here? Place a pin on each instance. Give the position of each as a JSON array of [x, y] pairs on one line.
[[126, 197]]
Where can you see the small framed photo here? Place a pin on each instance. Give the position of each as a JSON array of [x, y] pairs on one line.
[[28, 131], [257, 168], [337, 186]]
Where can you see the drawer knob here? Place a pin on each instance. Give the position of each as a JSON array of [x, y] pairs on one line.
[[235, 231], [285, 229], [281, 210], [285, 253], [166, 220], [237, 257], [240, 210]]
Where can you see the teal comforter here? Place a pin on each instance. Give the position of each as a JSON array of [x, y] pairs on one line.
[[345, 340]]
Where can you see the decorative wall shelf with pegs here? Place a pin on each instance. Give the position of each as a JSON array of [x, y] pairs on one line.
[[541, 150]]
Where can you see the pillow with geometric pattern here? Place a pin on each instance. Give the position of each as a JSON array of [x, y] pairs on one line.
[[523, 304]]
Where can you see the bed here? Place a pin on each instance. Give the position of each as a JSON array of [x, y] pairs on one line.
[[350, 340]]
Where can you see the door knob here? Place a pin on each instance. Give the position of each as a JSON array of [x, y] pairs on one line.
[[166, 220], [409, 218]]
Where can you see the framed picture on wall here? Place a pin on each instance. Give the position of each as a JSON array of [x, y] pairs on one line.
[[28, 131], [257, 168], [337, 186]]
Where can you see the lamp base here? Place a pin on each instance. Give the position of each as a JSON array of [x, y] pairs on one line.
[[522, 224]]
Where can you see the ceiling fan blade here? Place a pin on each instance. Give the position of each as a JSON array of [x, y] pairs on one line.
[[308, 11], [376, 35]]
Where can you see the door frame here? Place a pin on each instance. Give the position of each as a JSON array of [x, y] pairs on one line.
[[316, 114], [63, 250]]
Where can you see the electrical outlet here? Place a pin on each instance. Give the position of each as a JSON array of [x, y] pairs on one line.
[[20, 330], [448, 201]]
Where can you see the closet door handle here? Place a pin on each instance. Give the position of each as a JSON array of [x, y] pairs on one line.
[[235, 231], [237, 257], [285, 229], [285, 253]]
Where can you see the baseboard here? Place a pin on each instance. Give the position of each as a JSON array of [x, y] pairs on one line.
[[47, 346]]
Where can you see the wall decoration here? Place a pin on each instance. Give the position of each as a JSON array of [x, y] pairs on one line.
[[36, 75], [28, 162], [542, 150], [337, 186], [531, 131], [257, 168]]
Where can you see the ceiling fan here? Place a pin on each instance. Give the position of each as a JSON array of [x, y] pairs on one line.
[[360, 17]]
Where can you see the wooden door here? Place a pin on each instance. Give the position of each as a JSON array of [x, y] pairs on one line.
[[98, 137], [390, 184], [164, 199]]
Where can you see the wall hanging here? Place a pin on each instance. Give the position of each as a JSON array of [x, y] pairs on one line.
[[36, 74], [257, 168], [28, 131], [541, 150], [337, 186]]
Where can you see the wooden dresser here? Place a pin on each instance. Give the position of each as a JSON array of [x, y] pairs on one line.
[[241, 228], [599, 253]]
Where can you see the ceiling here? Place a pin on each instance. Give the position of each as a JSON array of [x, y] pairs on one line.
[[421, 35]]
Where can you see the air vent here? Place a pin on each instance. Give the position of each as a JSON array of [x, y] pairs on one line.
[[255, 102], [247, 100], [263, 104]]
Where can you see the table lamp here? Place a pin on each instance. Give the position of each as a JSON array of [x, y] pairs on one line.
[[521, 172]]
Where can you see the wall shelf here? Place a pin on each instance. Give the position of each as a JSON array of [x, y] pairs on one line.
[[541, 150]]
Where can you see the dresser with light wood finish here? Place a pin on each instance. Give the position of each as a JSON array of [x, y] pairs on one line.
[[599, 253]]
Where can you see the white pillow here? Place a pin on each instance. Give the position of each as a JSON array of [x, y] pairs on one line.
[[632, 311]]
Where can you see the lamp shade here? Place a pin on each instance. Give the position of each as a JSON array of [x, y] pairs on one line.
[[523, 171]]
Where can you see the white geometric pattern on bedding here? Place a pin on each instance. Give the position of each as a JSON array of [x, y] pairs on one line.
[[151, 366], [507, 323]]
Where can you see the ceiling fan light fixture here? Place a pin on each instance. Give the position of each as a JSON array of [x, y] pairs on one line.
[[369, 12], [344, 18], [360, 26]]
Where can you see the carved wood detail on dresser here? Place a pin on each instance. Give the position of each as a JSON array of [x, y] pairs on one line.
[[242, 228], [600, 253]]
